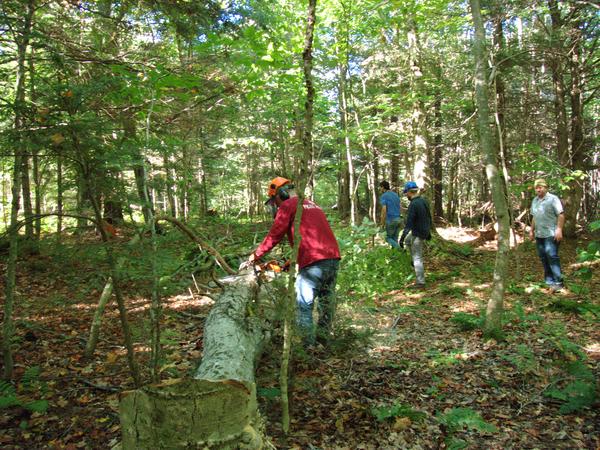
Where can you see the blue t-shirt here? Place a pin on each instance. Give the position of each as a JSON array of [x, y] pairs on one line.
[[391, 201]]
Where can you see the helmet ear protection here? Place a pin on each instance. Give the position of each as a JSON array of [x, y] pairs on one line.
[[283, 191]]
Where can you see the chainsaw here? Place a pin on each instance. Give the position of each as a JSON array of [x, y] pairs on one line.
[[273, 265]]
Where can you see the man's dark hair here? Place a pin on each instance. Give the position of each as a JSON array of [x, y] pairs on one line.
[[384, 184]]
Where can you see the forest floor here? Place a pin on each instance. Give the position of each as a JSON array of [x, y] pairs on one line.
[[402, 372]]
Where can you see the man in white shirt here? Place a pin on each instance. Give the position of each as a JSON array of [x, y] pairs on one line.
[[546, 227]]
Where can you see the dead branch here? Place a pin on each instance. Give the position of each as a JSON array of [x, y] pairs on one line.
[[201, 242], [585, 264]]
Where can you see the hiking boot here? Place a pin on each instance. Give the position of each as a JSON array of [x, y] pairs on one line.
[[417, 286]]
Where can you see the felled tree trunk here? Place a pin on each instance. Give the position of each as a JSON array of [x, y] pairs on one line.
[[216, 409]]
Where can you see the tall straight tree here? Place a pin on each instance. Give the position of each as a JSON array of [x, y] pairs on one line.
[[306, 153], [493, 317], [22, 36]]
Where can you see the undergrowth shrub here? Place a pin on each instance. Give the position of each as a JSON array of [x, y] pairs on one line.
[[524, 360], [518, 316], [576, 387], [384, 412], [467, 322], [458, 419], [348, 339], [28, 394], [368, 270]]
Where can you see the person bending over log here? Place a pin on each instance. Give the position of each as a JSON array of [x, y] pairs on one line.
[[318, 256]]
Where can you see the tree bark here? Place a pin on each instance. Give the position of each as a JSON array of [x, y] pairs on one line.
[[438, 206], [493, 319], [420, 143], [27, 206], [11, 266], [572, 201], [59, 195], [304, 156], [104, 298]]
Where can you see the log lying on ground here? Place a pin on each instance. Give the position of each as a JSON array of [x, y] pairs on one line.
[[216, 409]]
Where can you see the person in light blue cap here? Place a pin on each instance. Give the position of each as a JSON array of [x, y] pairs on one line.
[[416, 231]]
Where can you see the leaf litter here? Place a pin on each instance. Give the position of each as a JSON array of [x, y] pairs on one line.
[[418, 368]]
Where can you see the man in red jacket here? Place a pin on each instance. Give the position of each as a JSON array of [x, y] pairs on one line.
[[318, 256]]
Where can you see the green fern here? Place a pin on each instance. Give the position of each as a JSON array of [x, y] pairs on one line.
[[6, 388], [576, 395], [459, 418], [397, 410], [8, 395], [31, 377], [456, 444], [467, 322], [38, 406], [524, 360], [30, 382], [522, 316]]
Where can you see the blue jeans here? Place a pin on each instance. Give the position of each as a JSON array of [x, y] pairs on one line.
[[547, 249], [392, 230], [316, 281]]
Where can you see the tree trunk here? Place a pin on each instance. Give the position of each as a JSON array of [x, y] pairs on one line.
[[217, 409], [572, 201], [349, 165], [27, 207], [59, 196], [11, 266], [438, 206], [169, 185], [304, 156], [556, 66], [37, 179], [419, 168], [344, 189], [104, 298], [493, 319]]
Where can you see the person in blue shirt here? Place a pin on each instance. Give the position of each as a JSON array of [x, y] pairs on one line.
[[391, 218], [417, 230]]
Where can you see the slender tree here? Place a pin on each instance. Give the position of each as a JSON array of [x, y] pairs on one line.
[[22, 36], [306, 151], [493, 318]]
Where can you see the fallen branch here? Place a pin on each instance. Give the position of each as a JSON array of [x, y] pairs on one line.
[[101, 387], [585, 264], [202, 243]]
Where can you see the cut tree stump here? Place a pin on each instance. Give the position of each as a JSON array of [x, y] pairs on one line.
[[217, 408]]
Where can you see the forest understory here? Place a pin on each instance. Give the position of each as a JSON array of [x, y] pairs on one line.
[[405, 369]]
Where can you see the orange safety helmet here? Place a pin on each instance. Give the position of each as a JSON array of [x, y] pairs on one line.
[[275, 184]]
